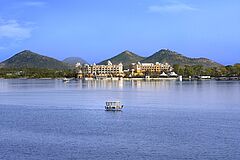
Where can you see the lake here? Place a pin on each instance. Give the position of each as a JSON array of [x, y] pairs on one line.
[[52, 120]]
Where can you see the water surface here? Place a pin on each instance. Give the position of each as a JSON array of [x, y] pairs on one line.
[[49, 119]]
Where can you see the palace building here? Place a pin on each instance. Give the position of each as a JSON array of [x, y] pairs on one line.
[[109, 70], [150, 67]]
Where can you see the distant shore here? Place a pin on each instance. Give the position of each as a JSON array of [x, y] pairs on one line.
[[135, 79]]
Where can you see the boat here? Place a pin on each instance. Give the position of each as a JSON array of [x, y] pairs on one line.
[[66, 80], [113, 106]]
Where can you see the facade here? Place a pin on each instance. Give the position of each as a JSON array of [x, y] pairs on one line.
[[113, 70], [151, 67], [109, 70]]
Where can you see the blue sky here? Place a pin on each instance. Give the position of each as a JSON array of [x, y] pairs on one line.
[[95, 30]]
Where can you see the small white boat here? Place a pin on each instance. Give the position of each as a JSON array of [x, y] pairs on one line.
[[65, 80], [113, 106]]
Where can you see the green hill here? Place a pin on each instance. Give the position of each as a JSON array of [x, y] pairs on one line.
[[28, 59], [171, 57], [74, 60], [126, 58]]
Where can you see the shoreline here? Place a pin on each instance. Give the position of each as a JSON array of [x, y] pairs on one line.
[[133, 79]]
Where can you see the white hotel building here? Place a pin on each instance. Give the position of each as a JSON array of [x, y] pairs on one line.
[[94, 70]]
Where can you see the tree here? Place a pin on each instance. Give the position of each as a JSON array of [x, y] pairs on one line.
[[198, 70], [237, 69], [176, 68], [188, 71]]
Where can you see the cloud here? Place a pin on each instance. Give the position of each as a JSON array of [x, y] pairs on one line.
[[35, 3], [174, 7], [11, 29]]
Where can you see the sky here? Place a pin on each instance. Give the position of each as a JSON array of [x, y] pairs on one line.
[[99, 29]]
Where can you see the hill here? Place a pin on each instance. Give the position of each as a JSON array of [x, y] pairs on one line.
[[74, 60], [126, 58], [29, 59], [171, 57]]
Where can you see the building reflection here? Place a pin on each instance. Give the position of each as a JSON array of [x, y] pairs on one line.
[[120, 84], [102, 84], [86, 84]]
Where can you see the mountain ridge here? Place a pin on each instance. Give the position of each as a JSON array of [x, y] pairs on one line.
[[74, 60], [172, 57], [29, 59], [126, 58]]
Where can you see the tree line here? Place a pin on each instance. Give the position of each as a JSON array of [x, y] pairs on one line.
[[197, 70], [35, 73], [185, 71]]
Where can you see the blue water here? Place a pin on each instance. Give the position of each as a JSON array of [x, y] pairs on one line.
[[52, 120]]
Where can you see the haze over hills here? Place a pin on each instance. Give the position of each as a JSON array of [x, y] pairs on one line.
[[172, 57], [126, 58], [29, 59], [74, 60]]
